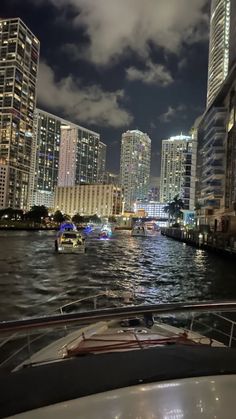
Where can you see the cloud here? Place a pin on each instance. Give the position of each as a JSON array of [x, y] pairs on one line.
[[171, 113], [114, 27], [153, 74], [182, 63], [152, 125], [90, 105]]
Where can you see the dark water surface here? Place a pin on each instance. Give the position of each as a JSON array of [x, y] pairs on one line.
[[34, 280]]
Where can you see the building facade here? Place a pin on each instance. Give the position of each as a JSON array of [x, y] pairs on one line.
[[216, 188], [102, 153], [82, 156], [222, 44], [152, 209], [211, 152], [45, 158], [103, 200], [67, 155], [19, 56], [135, 166], [178, 170], [63, 154], [111, 178]]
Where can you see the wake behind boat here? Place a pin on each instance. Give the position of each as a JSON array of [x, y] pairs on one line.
[[69, 239]]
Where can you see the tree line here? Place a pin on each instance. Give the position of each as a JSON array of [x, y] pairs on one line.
[[39, 214]]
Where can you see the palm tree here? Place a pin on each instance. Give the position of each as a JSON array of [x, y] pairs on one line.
[[77, 218], [174, 208]]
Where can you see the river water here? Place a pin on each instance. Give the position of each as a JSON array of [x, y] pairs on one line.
[[34, 280]]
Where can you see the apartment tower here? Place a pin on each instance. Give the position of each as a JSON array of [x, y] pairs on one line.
[[135, 166], [178, 170], [19, 56]]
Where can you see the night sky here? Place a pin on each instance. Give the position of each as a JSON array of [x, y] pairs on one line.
[[113, 65]]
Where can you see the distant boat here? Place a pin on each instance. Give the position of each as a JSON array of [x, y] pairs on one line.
[[151, 228], [105, 232], [138, 231], [69, 239]]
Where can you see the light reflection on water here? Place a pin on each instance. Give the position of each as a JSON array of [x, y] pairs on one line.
[[35, 281]]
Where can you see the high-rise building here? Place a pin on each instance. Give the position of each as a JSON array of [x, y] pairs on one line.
[[103, 200], [63, 154], [210, 186], [82, 156], [221, 48], [178, 169], [135, 166], [102, 152], [19, 55], [216, 161], [68, 155], [45, 158]]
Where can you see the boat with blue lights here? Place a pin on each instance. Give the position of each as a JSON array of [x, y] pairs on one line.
[[69, 239], [105, 232]]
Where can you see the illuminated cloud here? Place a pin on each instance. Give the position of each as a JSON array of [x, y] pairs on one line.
[[115, 27], [152, 74], [89, 105]]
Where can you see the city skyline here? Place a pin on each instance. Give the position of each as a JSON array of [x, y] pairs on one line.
[[110, 90]]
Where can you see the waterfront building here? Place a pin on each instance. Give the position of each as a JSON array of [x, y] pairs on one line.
[[100, 199], [135, 166], [19, 56], [216, 187], [152, 209], [222, 49], [63, 154], [82, 156], [178, 170], [45, 158], [68, 155]]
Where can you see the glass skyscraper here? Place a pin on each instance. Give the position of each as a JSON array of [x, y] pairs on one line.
[[221, 45], [19, 55], [45, 158], [82, 156], [135, 166], [65, 154], [178, 170]]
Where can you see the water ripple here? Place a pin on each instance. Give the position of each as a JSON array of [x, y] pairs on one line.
[[35, 281]]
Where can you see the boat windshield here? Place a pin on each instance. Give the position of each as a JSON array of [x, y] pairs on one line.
[[69, 236]]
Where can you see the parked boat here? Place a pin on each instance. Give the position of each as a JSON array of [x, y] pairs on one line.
[[69, 239], [151, 228], [136, 361]]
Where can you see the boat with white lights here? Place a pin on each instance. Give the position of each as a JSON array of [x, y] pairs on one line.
[[105, 232], [151, 228], [149, 361], [69, 239]]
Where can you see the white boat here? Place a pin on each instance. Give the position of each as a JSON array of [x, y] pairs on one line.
[[69, 240], [138, 231], [105, 232], [151, 228], [127, 362]]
